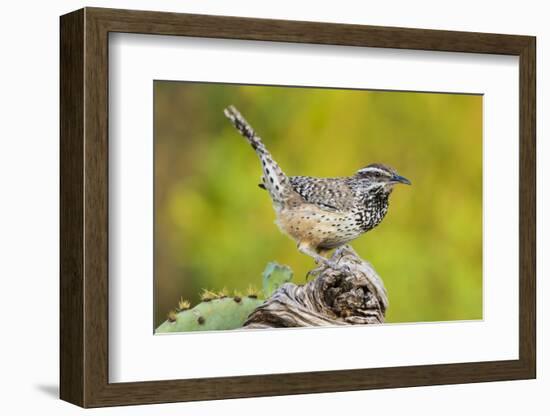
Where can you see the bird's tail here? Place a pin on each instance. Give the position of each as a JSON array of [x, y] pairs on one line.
[[274, 179]]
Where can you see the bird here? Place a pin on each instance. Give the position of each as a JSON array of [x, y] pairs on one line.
[[319, 213]]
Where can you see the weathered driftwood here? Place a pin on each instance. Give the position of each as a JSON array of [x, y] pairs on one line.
[[354, 295]]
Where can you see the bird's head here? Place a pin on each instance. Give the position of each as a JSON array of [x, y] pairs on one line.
[[381, 176]]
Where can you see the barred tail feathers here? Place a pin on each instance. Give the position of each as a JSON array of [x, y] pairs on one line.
[[274, 179]]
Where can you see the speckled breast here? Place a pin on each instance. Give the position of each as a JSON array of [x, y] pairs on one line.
[[320, 228]]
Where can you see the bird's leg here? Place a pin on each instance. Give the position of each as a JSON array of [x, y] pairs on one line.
[[341, 250], [306, 248], [317, 270], [310, 251]]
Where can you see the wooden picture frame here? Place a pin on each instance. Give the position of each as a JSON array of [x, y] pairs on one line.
[[84, 207]]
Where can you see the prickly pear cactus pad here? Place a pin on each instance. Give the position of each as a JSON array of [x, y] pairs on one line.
[[274, 276], [219, 311], [215, 314]]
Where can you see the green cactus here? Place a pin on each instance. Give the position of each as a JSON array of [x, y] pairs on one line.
[[215, 314], [275, 276], [219, 311]]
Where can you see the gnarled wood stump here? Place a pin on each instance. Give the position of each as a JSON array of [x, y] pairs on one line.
[[354, 295]]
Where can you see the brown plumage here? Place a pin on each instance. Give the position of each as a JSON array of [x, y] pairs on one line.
[[322, 213]]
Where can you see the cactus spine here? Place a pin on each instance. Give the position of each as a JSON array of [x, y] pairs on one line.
[[219, 311]]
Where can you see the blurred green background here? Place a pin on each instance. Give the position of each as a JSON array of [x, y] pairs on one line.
[[214, 227]]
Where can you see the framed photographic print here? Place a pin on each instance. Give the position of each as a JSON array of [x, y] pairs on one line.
[[255, 207]]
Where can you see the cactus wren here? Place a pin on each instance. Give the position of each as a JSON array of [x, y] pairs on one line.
[[322, 213]]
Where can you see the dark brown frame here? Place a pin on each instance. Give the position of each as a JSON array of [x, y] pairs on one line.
[[84, 207]]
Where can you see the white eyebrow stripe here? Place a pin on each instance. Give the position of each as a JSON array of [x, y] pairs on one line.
[[373, 169]]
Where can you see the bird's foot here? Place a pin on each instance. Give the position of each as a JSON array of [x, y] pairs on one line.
[[326, 263], [342, 268], [342, 251], [312, 273], [320, 261], [334, 265]]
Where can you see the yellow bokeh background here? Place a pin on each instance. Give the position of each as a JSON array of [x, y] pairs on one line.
[[214, 227]]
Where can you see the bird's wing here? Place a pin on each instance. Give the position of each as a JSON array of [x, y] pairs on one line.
[[331, 194]]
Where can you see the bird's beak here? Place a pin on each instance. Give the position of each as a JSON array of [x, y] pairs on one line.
[[400, 179]]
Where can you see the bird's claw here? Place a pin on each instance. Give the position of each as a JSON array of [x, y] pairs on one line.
[[343, 268], [331, 264], [313, 272]]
